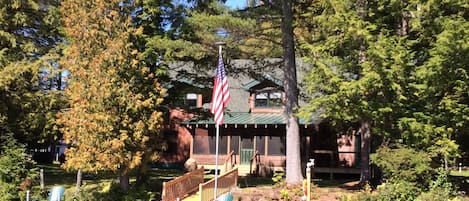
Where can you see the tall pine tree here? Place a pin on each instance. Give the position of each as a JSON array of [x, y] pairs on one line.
[[29, 32], [393, 64]]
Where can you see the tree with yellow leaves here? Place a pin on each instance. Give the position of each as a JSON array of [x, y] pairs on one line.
[[113, 123]]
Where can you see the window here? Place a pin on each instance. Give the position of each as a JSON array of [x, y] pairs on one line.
[[268, 99], [190, 100]]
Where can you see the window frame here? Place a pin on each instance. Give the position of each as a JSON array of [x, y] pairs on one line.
[[270, 97], [189, 100]]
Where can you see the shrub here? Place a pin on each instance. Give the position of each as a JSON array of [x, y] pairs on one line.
[[397, 191], [400, 191], [278, 178], [440, 189], [111, 191], [285, 194], [16, 169], [363, 195], [404, 164]]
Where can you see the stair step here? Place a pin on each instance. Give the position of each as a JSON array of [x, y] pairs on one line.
[[244, 170]]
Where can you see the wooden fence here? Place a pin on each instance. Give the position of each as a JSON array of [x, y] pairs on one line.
[[225, 182], [181, 186]]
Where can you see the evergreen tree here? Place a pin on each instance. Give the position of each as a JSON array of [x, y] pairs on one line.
[[29, 31], [442, 78], [293, 162], [113, 122], [375, 67], [16, 169], [244, 39]]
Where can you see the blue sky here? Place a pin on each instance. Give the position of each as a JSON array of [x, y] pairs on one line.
[[236, 3]]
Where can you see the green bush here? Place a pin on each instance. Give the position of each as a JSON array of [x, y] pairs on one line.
[[17, 170], [440, 189], [400, 191], [404, 164], [363, 195], [285, 194], [409, 176], [278, 178], [397, 191], [113, 192]]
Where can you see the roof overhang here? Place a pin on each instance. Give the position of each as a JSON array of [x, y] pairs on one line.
[[244, 119]]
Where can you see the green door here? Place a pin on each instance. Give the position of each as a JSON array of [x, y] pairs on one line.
[[246, 155], [247, 150]]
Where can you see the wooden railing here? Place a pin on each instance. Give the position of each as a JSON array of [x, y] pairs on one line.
[[225, 182], [255, 162], [181, 186], [230, 161]]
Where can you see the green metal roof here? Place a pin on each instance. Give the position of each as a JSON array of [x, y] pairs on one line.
[[264, 77], [250, 119]]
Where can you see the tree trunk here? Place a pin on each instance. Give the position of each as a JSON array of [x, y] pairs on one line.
[[293, 163], [124, 182], [79, 179], [404, 26], [365, 126], [362, 13], [446, 163], [141, 176], [41, 176], [365, 133]]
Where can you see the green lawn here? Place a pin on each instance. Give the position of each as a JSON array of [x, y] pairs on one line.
[[464, 173], [56, 176]]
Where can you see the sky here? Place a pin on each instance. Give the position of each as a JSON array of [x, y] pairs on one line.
[[236, 3]]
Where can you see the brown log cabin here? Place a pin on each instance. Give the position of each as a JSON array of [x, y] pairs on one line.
[[253, 133]]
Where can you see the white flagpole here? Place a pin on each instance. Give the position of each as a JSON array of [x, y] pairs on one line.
[[216, 162], [216, 147]]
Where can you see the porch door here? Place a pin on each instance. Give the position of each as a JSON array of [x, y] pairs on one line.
[[247, 150]]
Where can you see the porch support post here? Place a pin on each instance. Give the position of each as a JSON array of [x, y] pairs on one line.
[[228, 144], [191, 148]]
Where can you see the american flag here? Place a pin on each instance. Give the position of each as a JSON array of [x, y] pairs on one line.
[[220, 94]]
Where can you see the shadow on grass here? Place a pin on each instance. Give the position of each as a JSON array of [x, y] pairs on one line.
[[96, 183], [253, 181], [461, 182], [54, 175], [349, 183], [344, 181]]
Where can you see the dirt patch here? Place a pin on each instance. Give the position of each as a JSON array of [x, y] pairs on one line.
[[271, 193]]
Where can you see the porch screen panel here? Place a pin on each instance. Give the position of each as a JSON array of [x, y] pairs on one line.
[[235, 144], [277, 146], [260, 144], [247, 143], [222, 145], [201, 144]]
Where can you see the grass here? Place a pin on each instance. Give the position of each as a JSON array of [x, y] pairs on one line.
[[463, 173], [248, 181], [101, 182], [56, 176]]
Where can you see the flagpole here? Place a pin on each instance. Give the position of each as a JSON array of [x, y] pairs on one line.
[[216, 144], [216, 162]]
